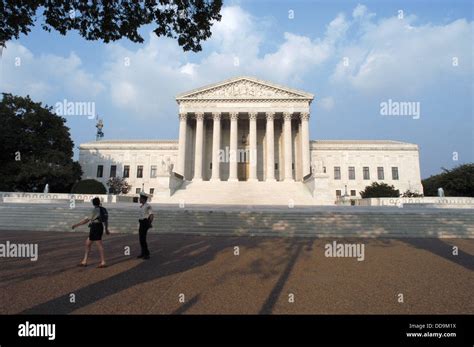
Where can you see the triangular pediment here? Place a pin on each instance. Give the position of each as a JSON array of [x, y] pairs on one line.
[[244, 88]]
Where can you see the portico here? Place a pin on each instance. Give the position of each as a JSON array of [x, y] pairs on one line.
[[244, 129]]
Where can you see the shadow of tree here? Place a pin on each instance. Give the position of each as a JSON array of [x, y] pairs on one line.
[[444, 250], [160, 265]]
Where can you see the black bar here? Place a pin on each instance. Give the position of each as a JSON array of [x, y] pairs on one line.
[[224, 329]]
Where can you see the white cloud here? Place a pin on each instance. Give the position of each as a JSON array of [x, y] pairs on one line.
[[398, 55], [326, 103], [45, 75]]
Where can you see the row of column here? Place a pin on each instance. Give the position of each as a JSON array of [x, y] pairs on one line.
[[270, 139]]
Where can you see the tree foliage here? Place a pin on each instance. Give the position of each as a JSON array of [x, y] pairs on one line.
[[187, 21], [36, 148], [89, 186], [380, 190], [455, 182], [118, 185]]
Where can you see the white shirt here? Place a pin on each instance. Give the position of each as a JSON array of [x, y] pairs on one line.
[[145, 211]]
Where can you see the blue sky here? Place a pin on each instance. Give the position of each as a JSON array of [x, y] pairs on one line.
[[408, 59]]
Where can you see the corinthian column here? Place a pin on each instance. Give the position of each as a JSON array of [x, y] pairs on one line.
[[234, 116], [182, 144], [216, 140], [199, 145], [288, 146], [305, 143], [253, 145], [270, 175]]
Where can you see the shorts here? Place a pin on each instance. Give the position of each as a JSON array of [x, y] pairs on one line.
[[96, 231]]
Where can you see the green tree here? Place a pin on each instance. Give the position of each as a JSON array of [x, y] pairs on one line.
[[380, 190], [458, 181], [36, 148], [118, 185], [89, 186], [187, 21]]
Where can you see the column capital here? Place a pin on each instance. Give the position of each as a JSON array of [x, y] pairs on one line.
[[304, 115], [270, 115], [287, 116], [183, 116], [216, 116], [234, 115], [253, 115], [199, 115]]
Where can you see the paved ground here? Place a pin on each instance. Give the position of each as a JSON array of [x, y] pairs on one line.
[[259, 280]]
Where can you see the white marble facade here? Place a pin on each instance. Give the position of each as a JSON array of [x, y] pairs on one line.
[[254, 131]]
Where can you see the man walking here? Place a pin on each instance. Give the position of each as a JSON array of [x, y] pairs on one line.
[[145, 220]]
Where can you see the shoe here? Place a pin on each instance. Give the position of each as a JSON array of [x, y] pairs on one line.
[[146, 257], [140, 256], [101, 266]]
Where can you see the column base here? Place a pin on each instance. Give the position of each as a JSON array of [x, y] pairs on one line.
[[270, 180], [233, 180], [197, 180], [252, 180], [215, 180]]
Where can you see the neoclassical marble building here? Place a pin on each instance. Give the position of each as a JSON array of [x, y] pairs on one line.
[[247, 141]]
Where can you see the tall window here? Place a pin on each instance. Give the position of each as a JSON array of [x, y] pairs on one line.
[[353, 192], [380, 174], [100, 170], [394, 173], [337, 172], [153, 171], [126, 171], [366, 173], [140, 171], [338, 193], [113, 170], [352, 173], [152, 190], [138, 190]]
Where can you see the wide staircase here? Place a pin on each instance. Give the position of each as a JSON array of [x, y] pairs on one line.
[[252, 221], [243, 193]]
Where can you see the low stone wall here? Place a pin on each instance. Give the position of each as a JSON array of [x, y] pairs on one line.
[[20, 197], [430, 201]]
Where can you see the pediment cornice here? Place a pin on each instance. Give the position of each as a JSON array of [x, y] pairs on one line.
[[244, 89]]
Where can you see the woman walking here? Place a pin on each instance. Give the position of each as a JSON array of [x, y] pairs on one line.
[[97, 220]]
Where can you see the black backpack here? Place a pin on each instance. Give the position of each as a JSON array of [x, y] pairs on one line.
[[104, 215]]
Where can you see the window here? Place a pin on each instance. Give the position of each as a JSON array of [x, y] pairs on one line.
[[337, 172], [352, 173], [394, 173], [210, 166], [153, 171], [140, 171], [113, 170], [138, 190], [366, 173], [100, 170], [338, 193], [276, 166], [324, 169], [353, 192], [380, 174], [152, 190], [126, 171]]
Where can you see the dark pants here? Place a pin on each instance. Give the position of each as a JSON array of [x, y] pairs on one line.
[[142, 231]]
